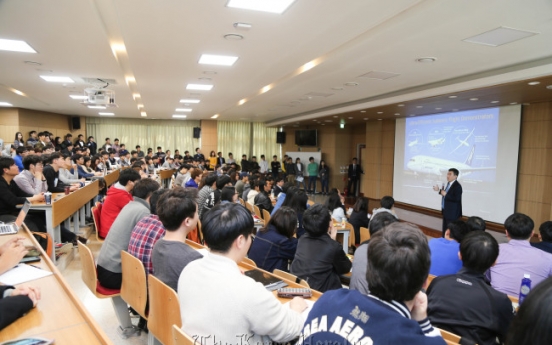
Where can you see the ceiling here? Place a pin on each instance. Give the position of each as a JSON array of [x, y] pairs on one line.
[[291, 67]]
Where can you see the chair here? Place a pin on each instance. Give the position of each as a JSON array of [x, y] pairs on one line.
[[289, 276], [96, 212], [181, 338], [249, 262], [134, 289], [249, 207], [90, 278], [351, 233], [450, 338], [430, 279], [257, 211], [241, 201], [364, 234], [164, 310], [266, 217]]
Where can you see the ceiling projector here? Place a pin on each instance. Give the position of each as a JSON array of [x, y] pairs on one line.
[[99, 97]]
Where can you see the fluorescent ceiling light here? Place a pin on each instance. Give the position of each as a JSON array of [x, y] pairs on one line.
[[204, 87], [143, 113], [189, 101], [221, 60], [16, 46], [272, 6], [187, 110], [96, 107], [176, 116], [78, 97], [53, 79], [107, 114], [5, 104], [499, 36], [215, 116]]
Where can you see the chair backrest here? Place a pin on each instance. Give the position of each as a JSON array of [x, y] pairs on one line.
[[257, 211], [181, 338], [266, 217], [430, 279], [96, 212], [134, 289], [164, 310], [249, 207], [88, 273], [364, 234], [249, 261], [241, 201], [449, 337], [351, 233], [289, 276]]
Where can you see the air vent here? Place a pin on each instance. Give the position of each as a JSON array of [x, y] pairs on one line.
[[500, 36], [318, 94], [378, 75], [99, 81]]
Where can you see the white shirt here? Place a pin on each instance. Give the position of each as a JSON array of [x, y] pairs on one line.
[[263, 164]]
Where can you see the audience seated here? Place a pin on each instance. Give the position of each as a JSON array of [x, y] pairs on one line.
[[444, 250], [228, 195], [253, 192], [298, 203], [464, 303], [52, 175], [387, 205], [118, 196], [274, 246], [532, 324], [177, 211], [360, 262], [109, 260], [241, 183], [235, 315], [517, 258], [359, 217], [146, 233], [262, 200], [68, 173], [282, 196], [181, 177], [206, 195], [319, 258], [195, 179], [476, 223], [31, 180], [21, 152], [545, 235], [395, 311], [278, 185]]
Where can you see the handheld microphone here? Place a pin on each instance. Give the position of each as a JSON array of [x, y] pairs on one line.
[[443, 187]]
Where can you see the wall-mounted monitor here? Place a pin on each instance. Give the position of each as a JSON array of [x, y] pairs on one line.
[[307, 137]]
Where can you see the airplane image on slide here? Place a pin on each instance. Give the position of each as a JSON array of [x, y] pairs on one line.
[[463, 142], [413, 143], [436, 166], [436, 142]]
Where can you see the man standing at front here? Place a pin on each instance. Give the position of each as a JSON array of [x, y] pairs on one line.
[[353, 176], [451, 203]]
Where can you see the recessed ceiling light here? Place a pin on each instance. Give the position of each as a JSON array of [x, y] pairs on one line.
[[419, 106], [78, 97], [219, 60], [426, 59], [186, 110], [136, 95], [365, 118], [350, 118], [140, 106], [189, 101], [380, 119], [242, 101], [494, 102], [474, 99], [53, 79], [549, 87], [400, 105], [397, 114], [380, 112], [499, 36], [337, 88], [143, 113], [107, 114], [323, 124], [351, 83], [438, 108], [33, 63], [513, 103], [233, 37], [453, 96], [534, 83], [96, 107], [335, 117], [17, 92], [363, 111], [243, 26], [16, 46], [272, 6], [176, 116], [5, 104], [215, 116], [378, 75], [204, 87]]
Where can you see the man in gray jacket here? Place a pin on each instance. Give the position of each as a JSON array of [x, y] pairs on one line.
[[109, 261]]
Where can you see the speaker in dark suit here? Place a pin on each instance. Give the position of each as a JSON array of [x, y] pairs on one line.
[[451, 199], [353, 175]]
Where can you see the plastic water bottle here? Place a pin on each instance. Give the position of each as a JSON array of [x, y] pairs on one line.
[[525, 287]]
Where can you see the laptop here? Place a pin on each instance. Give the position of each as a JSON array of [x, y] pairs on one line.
[[13, 228]]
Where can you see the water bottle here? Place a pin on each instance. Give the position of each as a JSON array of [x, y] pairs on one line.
[[525, 287]]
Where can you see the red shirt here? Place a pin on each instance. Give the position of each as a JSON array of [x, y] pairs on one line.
[[115, 200]]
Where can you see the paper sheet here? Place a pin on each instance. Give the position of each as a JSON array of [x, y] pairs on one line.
[[22, 273]]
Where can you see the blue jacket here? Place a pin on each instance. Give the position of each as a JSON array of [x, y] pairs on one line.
[[444, 256], [82, 173], [272, 250], [19, 162]]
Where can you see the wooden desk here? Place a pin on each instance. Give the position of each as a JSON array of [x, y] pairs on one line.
[[112, 177], [345, 232], [59, 314], [63, 206], [166, 176]]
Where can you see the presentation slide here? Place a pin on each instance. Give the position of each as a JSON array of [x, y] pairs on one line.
[[482, 144]]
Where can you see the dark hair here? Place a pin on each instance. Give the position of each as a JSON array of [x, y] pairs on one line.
[[387, 202], [398, 262], [227, 193], [137, 147], [479, 251], [76, 157], [454, 171], [154, 198], [519, 226], [533, 321], [223, 181], [476, 223], [224, 223], [316, 220], [333, 202], [53, 156], [16, 135], [458, 230], [545, 231], [21, 149], [284, 220], [210, 179], [87, 159], [144, 188], [5, 163], [361, 204], [31, 160], [128, 175], [285, 187], [380, 221], [289, 194], [298, 202], [175, 205]]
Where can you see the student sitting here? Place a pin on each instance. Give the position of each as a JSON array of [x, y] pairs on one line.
[[208, 313], [177, 211], [298, 203], [319, 258], [228, 195], [545, 235], [262, 200], [444, 250], [31, 180], [274, 245], [359, 217]]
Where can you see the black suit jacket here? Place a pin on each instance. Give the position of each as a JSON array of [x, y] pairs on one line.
[[453, 202], [12, 308], [358, 171], [221, 161]]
